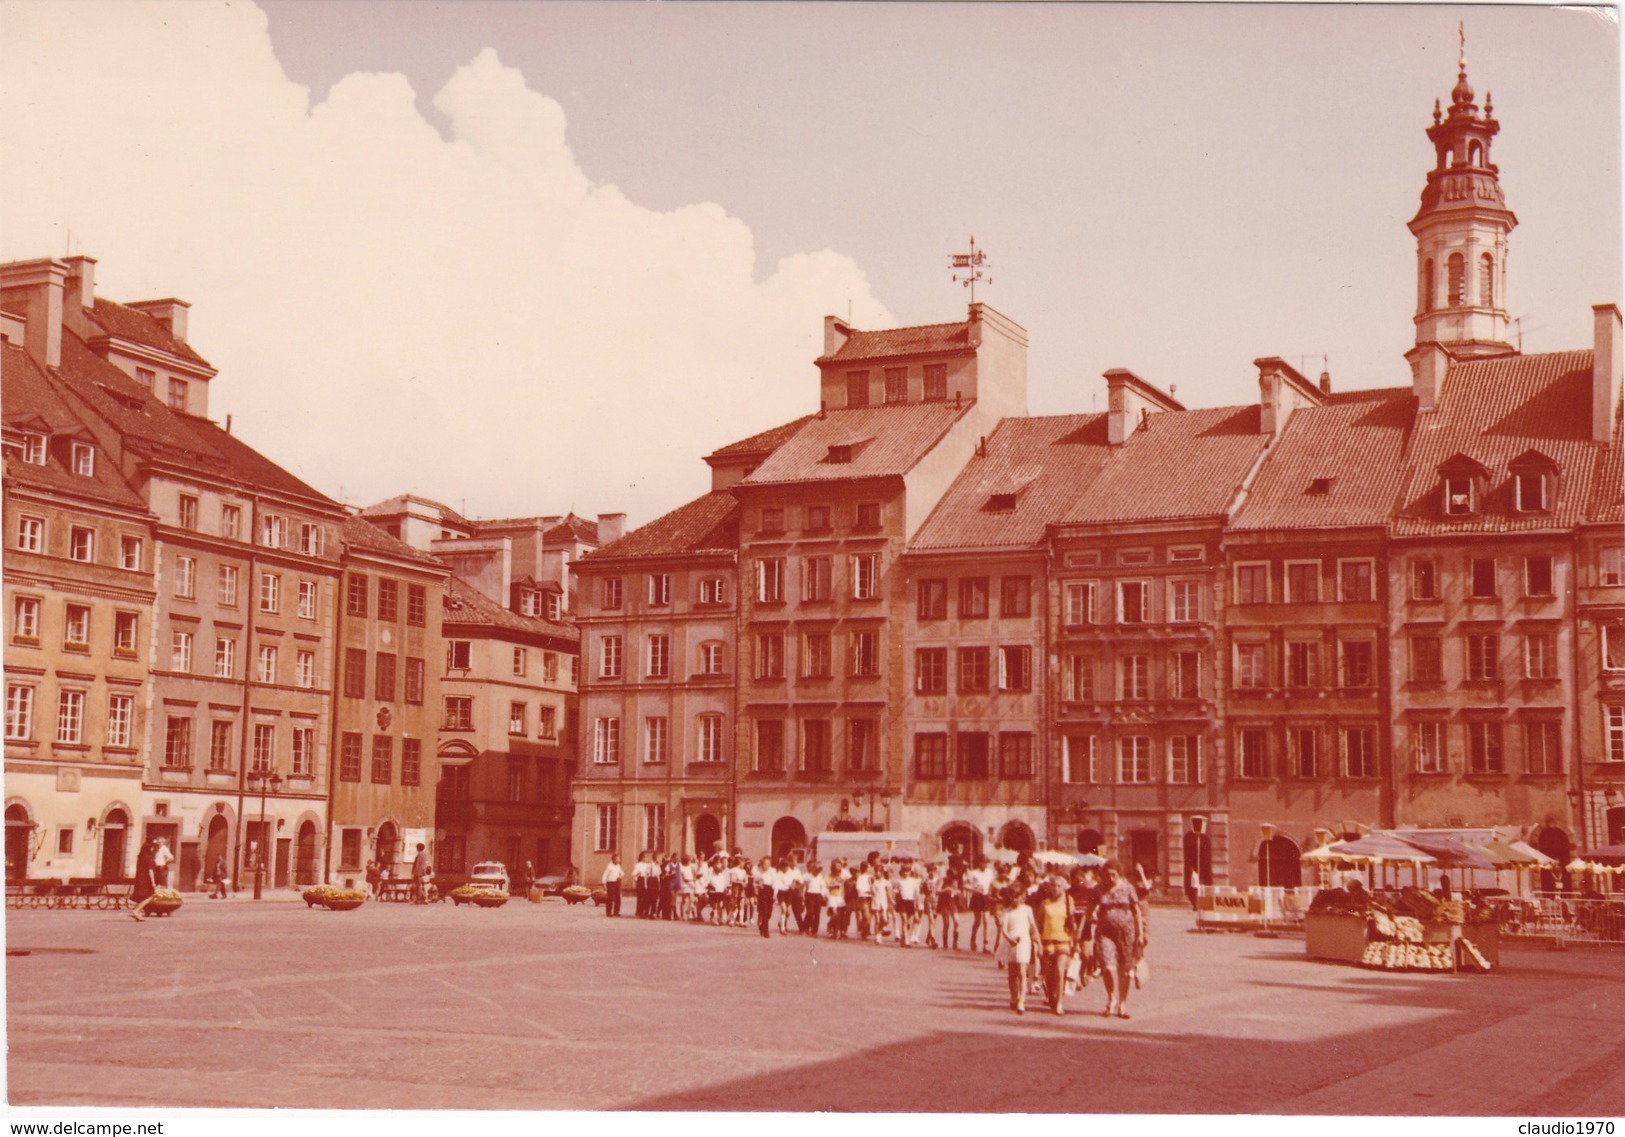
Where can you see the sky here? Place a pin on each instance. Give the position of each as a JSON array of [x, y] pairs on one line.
[[528, 257]]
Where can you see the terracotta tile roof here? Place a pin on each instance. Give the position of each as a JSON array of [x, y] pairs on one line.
[[29, 400], [764, 443], [706, 524], [1042, 464], [1608, 498], [465, 606], [571, 530], [878, 441], [1335, 465], [400, 502], [359, 533], [1180, 464], [924, 339], [1492, 411], [138, 327], [152, 428]]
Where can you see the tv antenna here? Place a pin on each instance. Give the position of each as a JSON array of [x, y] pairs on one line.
[[968, 267]]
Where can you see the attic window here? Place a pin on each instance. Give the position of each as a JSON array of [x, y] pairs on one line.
[[1001, 502], [1458, 496], [34, 449], [1320, 487], [84, 459], [146, 376], [839, 454], [1532, 492]]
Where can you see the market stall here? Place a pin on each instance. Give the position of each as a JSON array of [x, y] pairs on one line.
[[1411, 931]]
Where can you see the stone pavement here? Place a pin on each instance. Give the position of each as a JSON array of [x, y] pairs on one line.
[[549, 1007]]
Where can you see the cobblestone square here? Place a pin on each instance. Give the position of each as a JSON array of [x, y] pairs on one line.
[[237, 1004]]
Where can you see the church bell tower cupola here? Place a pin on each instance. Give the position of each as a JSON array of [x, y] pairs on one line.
[[1461, 232]]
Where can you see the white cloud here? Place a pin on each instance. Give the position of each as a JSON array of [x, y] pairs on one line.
[[464, 316]]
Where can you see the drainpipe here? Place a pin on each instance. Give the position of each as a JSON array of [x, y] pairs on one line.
[[334, 674], [249, 609]]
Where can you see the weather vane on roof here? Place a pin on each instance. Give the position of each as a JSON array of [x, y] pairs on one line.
[[968, 267]]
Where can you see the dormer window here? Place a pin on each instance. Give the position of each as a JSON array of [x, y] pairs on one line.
[[1458, 496], [1001, 502], [34, 449], [1531, 490], [857, 388], [1534, 481], [146, 376], [1462, 485], [840, 454], [1320, 487], [177, 394]]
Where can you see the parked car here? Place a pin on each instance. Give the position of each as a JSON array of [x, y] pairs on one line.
[[490, 874], [553, 883]]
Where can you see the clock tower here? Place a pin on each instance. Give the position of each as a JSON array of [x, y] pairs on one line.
[[1461, 234]]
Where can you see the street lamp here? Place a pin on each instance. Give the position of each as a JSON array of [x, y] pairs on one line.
[[1266, 833], [881, 793], [269, 781]]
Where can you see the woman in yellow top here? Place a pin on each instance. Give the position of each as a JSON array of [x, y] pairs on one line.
[[1054, 912]]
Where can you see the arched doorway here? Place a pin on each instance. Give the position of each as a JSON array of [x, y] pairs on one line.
[[963, 841], [216, 843], [707, 835], [115, 839], [304, 857], [788, 833], [1091, 841], [1017, 837], [19, 835], [1278, 864], [387, 847], [1554, 842]]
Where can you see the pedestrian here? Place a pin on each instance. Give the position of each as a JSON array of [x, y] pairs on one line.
[[375, 880], [161, 858], [528, 877], [880, 906], [420, 876], [1055, 927], [814, 898], [978, 883], [1019, 930], [221, 873], [640, 884], [1118, 935], [146, 880], [766, 881], [612, 885], [948, 902], [835, 894], [908, 905]]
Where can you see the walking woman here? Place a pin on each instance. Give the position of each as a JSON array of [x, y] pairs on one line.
[[948, 902], [880, 898], [1119, 933], [146, 879], [1053, 910]]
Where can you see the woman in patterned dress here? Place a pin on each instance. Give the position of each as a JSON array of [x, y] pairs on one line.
[[1119, 934]]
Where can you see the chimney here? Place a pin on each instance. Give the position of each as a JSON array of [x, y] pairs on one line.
[[836, 332], [1429, 362], [34, 290], [1130, 401], [169, 312], [80, 295], [1281, 390], [1607, 366], [611, 527], [1325, 382]]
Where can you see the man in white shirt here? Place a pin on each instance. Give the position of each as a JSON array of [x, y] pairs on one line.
[[640, 884], [613, 874], [979, 883], [160, 862]]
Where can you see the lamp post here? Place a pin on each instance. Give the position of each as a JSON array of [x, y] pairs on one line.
[[881, 793], [268, 781], [1266, 833]]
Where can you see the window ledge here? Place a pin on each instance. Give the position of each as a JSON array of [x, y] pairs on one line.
[[25, 641], [1487, 776]]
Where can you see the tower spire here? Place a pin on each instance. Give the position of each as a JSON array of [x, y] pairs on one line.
[[1461, 230]]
